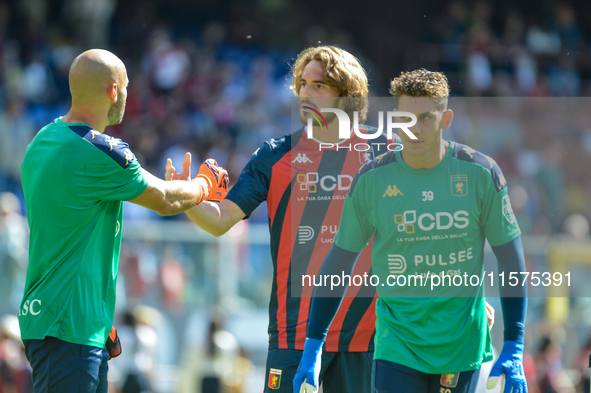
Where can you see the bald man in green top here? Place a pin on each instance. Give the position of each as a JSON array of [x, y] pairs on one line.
[[75, 178]]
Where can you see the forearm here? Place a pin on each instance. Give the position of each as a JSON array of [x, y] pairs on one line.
[[325, 302], [179, 196], [513, 299], [210, 217]]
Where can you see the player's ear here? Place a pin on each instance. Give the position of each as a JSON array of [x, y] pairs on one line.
[[112, 91], [448, 115]]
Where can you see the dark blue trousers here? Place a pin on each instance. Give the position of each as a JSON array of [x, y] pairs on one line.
[[63, 367], [388, 377]]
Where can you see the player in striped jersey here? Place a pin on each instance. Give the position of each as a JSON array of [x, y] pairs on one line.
[[428, 210], [305, 187]]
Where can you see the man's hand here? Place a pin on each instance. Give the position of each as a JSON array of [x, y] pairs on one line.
[[490, 315], [171, 173], [306, 378], [510, 364], [216, 177]]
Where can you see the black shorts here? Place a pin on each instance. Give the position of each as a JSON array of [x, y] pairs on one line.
[[63, 367], [341, 372], [388, 377]]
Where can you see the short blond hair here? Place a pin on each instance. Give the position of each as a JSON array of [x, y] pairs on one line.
[[341, 70], [422, 83]]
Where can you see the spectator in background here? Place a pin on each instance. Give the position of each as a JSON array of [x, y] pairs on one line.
[[16, 131], [551, 377], [15, 373], [14, 236]]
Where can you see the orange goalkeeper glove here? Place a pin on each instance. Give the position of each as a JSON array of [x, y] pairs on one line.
[[113, 344], [217, 179]]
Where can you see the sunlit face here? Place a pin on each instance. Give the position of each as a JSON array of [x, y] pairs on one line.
[[117, 110], [315, 92], [430, 122]]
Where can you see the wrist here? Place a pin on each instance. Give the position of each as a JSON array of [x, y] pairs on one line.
[[313, 345], [204, 186], [513, 346]]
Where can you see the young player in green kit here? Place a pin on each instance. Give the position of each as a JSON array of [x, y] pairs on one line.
[[429, 209], [75, 178]]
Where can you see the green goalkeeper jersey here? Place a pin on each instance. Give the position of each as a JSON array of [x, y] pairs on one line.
[[423, 223], [74, 179]]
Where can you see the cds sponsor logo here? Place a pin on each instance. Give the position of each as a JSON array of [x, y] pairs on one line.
[[311, 181], [427, 222]]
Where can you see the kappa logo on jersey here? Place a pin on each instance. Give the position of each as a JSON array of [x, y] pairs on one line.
[[310, 182], [449, 380], [274, 378], [305, 233], [302, 158], [427, 221], [113, 142], [396, 264], [129, 156], [392, 191], [469, 151], [508, 209], [459, 185]]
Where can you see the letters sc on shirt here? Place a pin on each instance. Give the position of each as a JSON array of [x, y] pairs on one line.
[[32, 307]]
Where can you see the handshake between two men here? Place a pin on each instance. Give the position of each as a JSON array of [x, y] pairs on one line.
[[212, 178]]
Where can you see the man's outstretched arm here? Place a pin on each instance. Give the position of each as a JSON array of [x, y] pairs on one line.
[[324, 306], [510, 258], [215, 218]]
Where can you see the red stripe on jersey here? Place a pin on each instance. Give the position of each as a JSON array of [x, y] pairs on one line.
[[284, 172], [278, 186], [361, 340], [331, 220]]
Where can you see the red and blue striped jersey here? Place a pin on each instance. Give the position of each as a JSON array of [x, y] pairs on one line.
[[305, 183]]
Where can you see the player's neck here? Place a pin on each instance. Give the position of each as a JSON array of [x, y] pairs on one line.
[[429, 159], [81, 115], [328, 135]]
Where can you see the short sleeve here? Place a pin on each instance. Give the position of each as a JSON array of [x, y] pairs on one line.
[[252, 186], [498, 220], [123, 184], [355, 229], [108, 170]]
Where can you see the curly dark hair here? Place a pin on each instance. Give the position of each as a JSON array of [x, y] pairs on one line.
[[422, 83], [341, 70]]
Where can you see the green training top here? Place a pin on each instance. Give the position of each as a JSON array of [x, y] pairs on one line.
[[74, 179], [429, 222]]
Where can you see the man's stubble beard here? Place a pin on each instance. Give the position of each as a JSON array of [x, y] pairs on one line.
[[116, 111]]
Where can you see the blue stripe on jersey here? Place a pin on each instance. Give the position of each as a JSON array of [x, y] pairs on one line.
[[254, 181], [377, 162], [113, 147], [466, 153]]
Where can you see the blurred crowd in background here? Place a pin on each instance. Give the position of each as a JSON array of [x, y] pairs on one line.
[[213, 78]]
